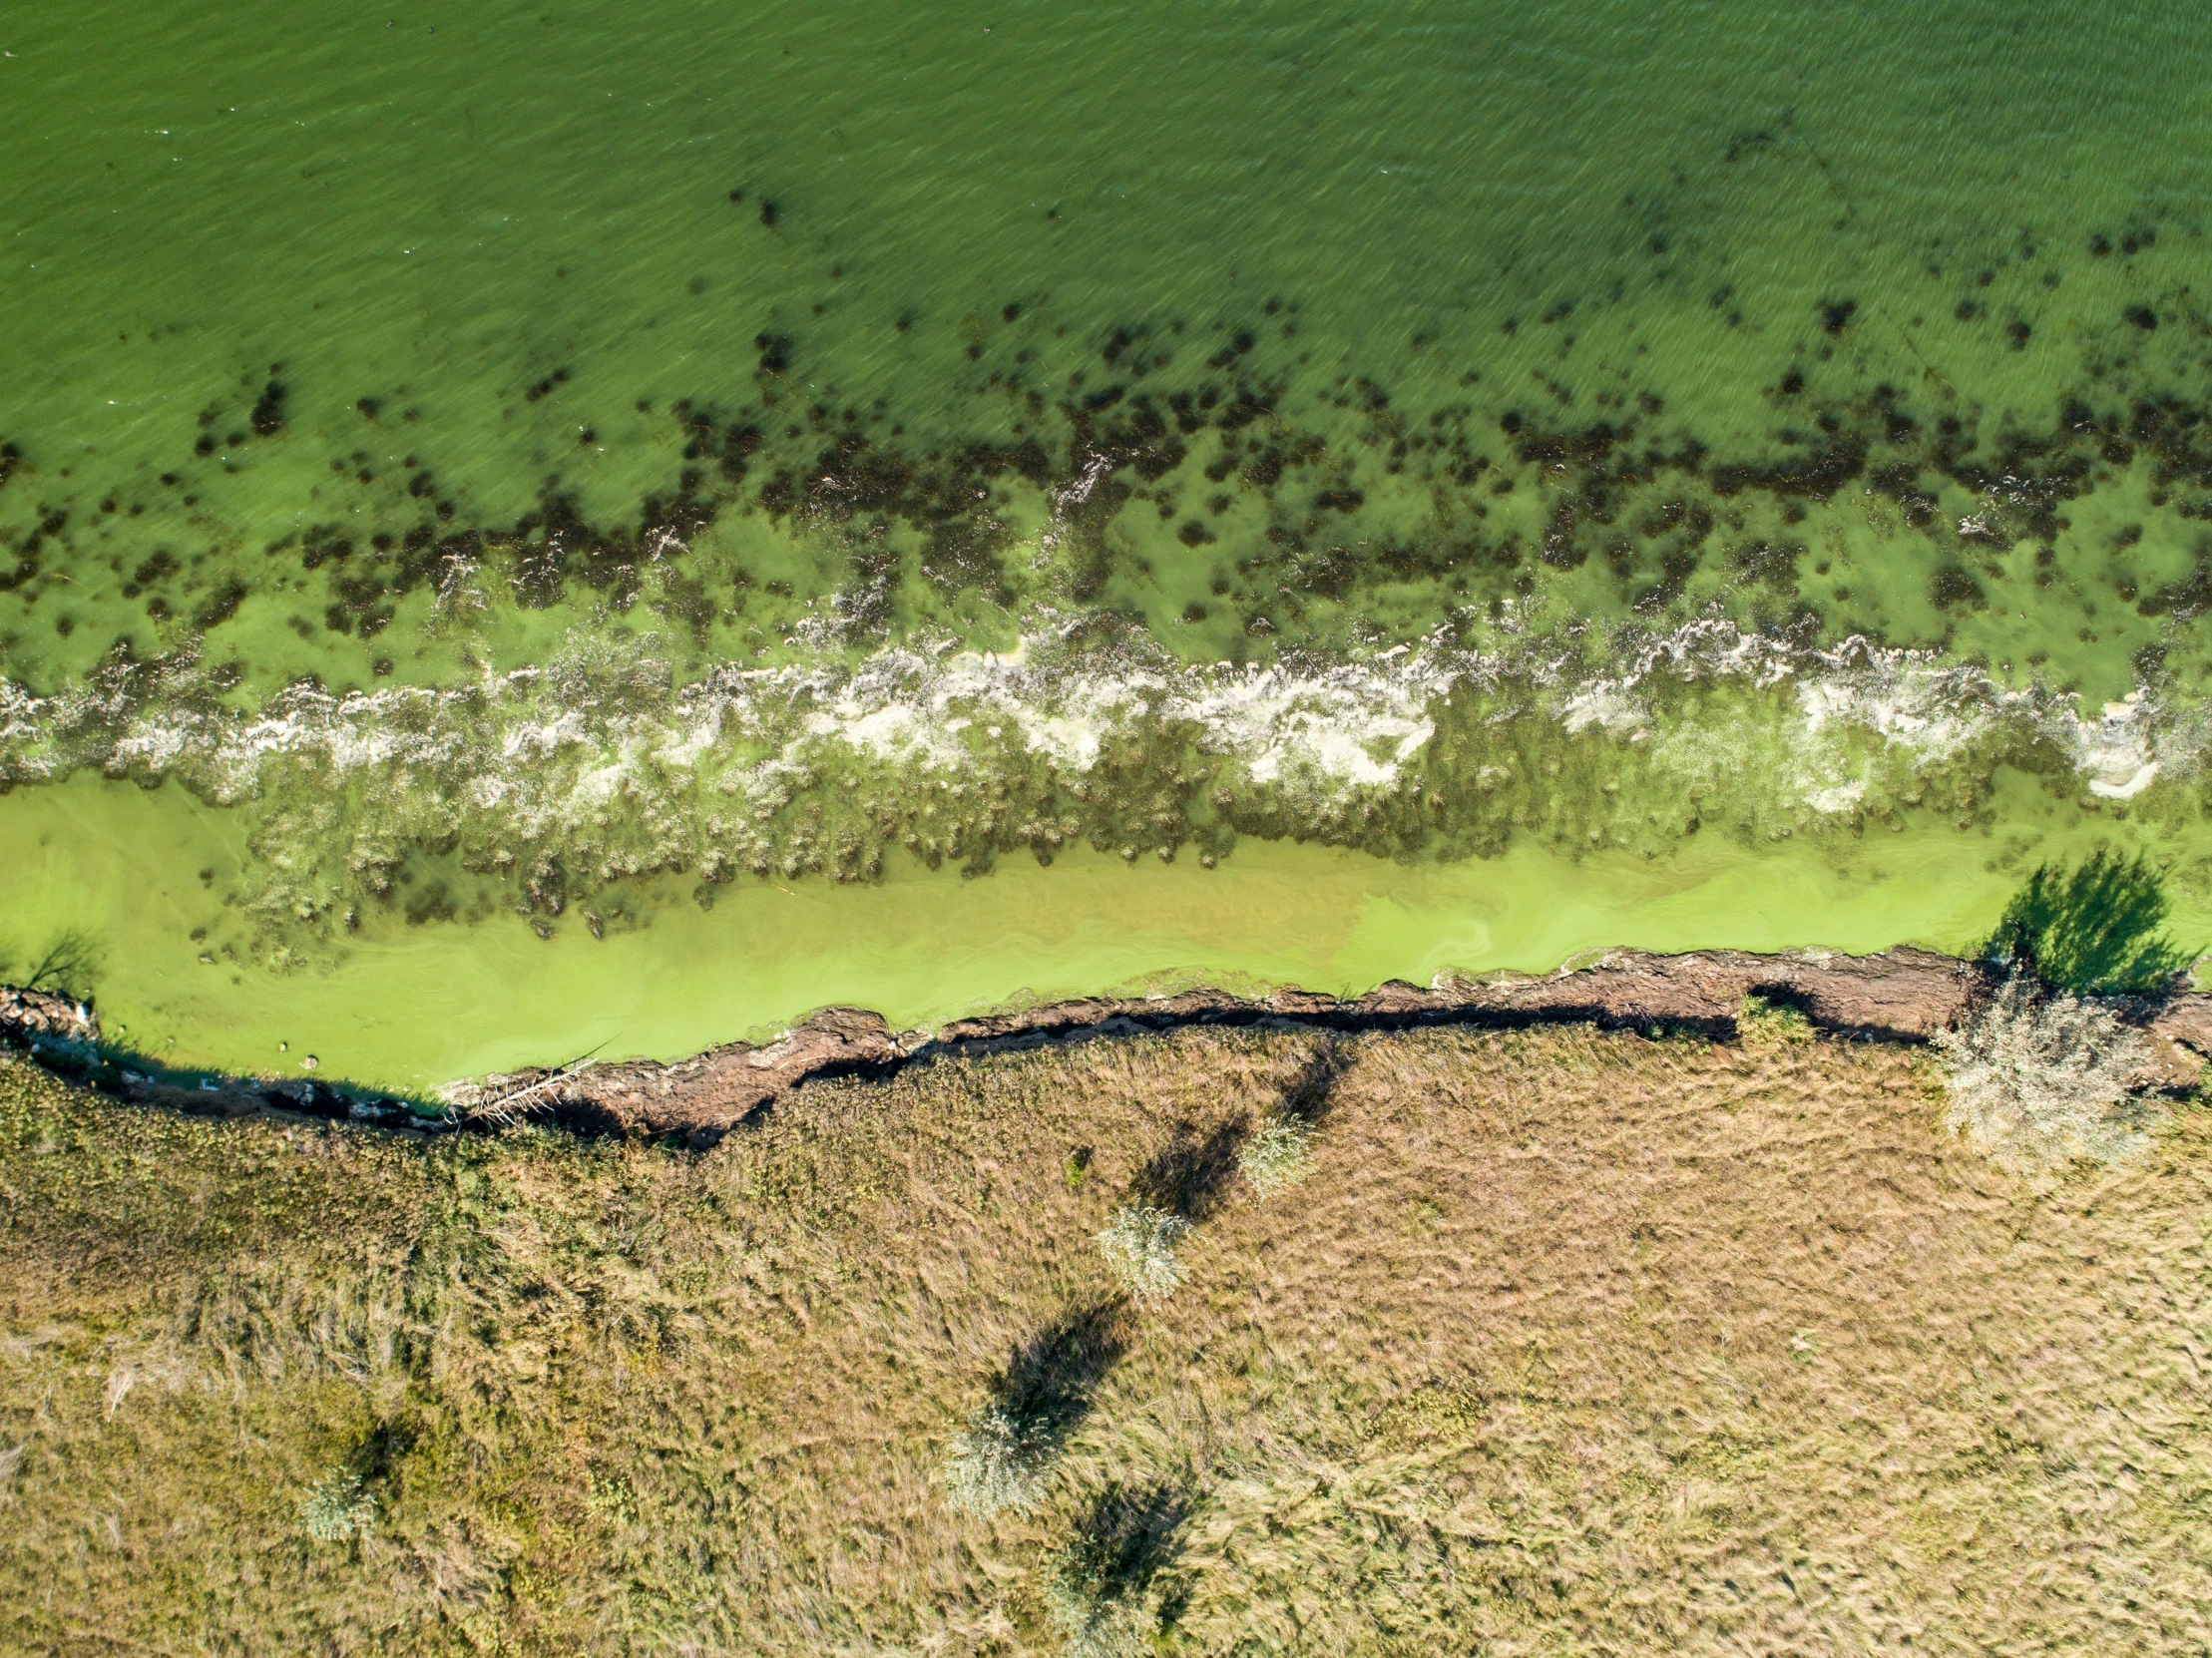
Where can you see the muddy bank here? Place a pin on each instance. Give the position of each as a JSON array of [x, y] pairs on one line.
[[1901, 994]]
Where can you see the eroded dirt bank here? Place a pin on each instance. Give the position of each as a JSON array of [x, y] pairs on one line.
[[1901, 994]]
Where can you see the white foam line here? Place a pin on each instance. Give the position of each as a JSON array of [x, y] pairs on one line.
[[600, 720]]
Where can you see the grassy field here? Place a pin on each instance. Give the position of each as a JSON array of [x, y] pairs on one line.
[[1568, 1343]]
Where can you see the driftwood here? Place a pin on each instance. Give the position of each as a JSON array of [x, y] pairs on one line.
[[1902, 995]]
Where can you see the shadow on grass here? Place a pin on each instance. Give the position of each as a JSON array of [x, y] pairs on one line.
[[2097, 929], [1052, 1376], [1120, 1544], [1310, 1093], [1191, 1175]]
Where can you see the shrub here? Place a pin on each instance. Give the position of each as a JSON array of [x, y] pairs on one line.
[[999, 1461], [1274, 1158], [338, 1510], [1103, 1586], [1763, 1024], [1140, 1247], [1092, 1626], [2039, 1078]]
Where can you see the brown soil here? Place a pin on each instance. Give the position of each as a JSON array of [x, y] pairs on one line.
[[1899, 995], [1902, 995]]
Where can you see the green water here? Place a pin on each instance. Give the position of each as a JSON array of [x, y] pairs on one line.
[[154, 877], [543, 488]]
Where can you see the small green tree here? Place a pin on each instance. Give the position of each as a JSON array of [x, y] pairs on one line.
[[1139, 1248], [1762, 1024], [336, 1509], [1001, 1459], [1091, 1625], [2038, 1079], [1276, 1157], [1101, 1586]]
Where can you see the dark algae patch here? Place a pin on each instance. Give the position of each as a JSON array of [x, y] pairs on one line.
[[1228, 506], [1342, 508]]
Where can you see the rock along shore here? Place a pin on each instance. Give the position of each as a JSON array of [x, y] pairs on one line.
[[1902, 995]]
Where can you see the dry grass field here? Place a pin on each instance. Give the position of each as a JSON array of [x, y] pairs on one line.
[[1569, 1343]]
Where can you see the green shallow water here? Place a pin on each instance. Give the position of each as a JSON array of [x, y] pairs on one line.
[[1467, 483], [411, 1008]]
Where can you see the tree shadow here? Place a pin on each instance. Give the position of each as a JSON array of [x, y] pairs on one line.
[[382, 1449], [68, 966], [1190, 1175], [1120, 1544], [1313, 1090], [2096, 929], [1050, 1376]]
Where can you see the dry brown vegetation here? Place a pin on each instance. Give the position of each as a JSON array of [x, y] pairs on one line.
[[1569, 1343]]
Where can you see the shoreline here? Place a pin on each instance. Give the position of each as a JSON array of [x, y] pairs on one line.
[[1900, 996]]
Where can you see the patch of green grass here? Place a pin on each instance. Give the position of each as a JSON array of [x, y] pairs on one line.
[[1763, 1024]]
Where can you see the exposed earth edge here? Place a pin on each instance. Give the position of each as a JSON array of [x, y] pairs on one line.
[[1899, 995]]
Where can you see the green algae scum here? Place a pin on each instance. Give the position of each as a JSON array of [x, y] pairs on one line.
[[526, 533]]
